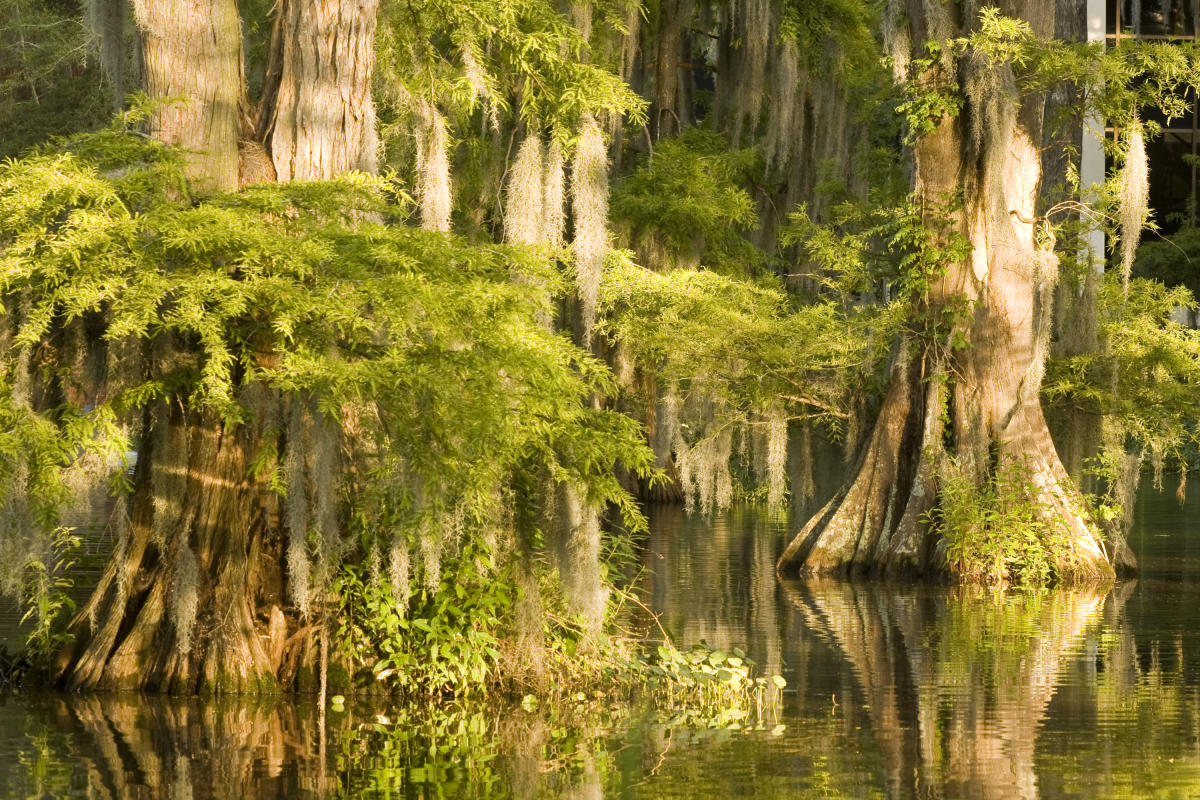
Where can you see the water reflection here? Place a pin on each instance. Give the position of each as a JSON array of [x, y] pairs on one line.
[[126, 746], [894, 692], [956, 682]]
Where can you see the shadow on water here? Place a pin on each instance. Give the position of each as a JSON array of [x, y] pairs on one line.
[[895, 691]]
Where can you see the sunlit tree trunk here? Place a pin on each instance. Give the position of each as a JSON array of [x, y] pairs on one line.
[[979, 404], [323, 120], [192, 55], [193, 598], [203, 552]]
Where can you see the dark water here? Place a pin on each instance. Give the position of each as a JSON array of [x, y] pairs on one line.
[[893, 691]]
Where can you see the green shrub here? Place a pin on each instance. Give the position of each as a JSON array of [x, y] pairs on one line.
[[996, 531]]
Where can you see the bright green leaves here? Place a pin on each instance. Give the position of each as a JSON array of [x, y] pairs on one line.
[[443, 642], [1147, 378], [468, 56], [907, 247], [929, 94], [1116, 84], [832, 35], [424, 348], [996, 532], [687, 205], [750, 344]]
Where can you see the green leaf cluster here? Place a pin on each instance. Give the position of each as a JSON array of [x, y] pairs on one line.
[[688, 202], [996, 533], [1145, 380], [420, 347], [523, 58], [442, 642]]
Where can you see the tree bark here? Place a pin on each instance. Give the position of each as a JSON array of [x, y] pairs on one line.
[[988, 392], [674, 17], [193, 489], [323, 120], [106, 23], [192, 599], [192, 56]]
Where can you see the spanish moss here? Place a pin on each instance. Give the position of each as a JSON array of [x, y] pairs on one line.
[[589, 206]]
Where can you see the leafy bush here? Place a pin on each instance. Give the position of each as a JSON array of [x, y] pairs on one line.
[[997, 532], [442, 641]]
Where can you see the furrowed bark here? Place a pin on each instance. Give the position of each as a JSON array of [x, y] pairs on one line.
[[203, 551], [192, 56], [987, 155], [323, 120], [226, 517]]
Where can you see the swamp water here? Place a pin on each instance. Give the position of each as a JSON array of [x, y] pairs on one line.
[[893, 691]]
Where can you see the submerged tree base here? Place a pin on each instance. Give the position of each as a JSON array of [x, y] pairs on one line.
[[1002, 510]]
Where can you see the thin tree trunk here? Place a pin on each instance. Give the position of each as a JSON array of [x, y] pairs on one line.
[[106, 23], [192, 57], [674, 18]]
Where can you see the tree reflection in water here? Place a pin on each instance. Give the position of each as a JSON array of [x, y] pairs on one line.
[[938, 693], [131, 746], [957, 682]]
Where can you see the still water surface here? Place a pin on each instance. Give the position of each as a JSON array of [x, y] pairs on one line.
[[893, 692]]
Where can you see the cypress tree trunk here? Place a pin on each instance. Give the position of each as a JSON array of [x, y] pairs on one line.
[[323, 120], [193, 596], [193, 51], [202, 547], [988, 392], [105, 20]]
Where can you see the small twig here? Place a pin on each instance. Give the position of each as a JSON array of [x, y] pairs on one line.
[[644, 607]]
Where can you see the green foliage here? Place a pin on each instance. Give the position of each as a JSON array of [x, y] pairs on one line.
[[1120, 84], [440, 642], [836, 35], [995, 531], [1172, 261], [1143, 381], [419, 346], [749, 341], [47, 85], [46, 600], [466, 57], [892, 253], [491, 68], [929, 94], [686, 205]]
